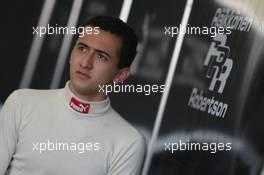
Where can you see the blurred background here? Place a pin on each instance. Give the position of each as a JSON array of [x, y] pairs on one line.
[[235, 63]]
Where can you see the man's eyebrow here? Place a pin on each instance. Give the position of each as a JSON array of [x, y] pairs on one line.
[[97, 50], [104, 52], [80, 43]]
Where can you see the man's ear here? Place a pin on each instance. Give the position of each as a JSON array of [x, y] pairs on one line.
[[122, 75]]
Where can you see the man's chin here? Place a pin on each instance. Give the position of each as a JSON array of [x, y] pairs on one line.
[[80, 83], [85, 88]]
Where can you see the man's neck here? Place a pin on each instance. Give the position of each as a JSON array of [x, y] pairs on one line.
[[96, 97]]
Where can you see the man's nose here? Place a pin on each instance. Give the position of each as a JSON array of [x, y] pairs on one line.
[[87, 61]]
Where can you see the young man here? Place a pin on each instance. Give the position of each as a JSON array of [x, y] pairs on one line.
[[74, 130]]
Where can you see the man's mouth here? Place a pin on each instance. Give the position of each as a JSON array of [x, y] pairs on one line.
[[82, 75]]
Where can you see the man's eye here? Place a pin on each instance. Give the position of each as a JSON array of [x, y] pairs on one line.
[[82, 49], [102, 57]]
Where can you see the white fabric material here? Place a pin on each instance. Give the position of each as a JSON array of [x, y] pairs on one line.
[[34, 117]]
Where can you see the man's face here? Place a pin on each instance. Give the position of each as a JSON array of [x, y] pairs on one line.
[[94, 61]]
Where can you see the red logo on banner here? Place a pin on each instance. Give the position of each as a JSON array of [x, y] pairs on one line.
[[79, 106]]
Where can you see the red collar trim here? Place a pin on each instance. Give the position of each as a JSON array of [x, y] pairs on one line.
[[79, 106]]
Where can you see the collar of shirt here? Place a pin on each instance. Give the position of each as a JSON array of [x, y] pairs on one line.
[[81, 107]]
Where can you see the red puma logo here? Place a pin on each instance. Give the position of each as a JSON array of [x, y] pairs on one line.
[[79, 106]]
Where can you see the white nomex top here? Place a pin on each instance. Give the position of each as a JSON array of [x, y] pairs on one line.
[[42, 132]]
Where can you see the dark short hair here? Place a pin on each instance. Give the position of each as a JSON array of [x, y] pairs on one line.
[[119, 28]]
